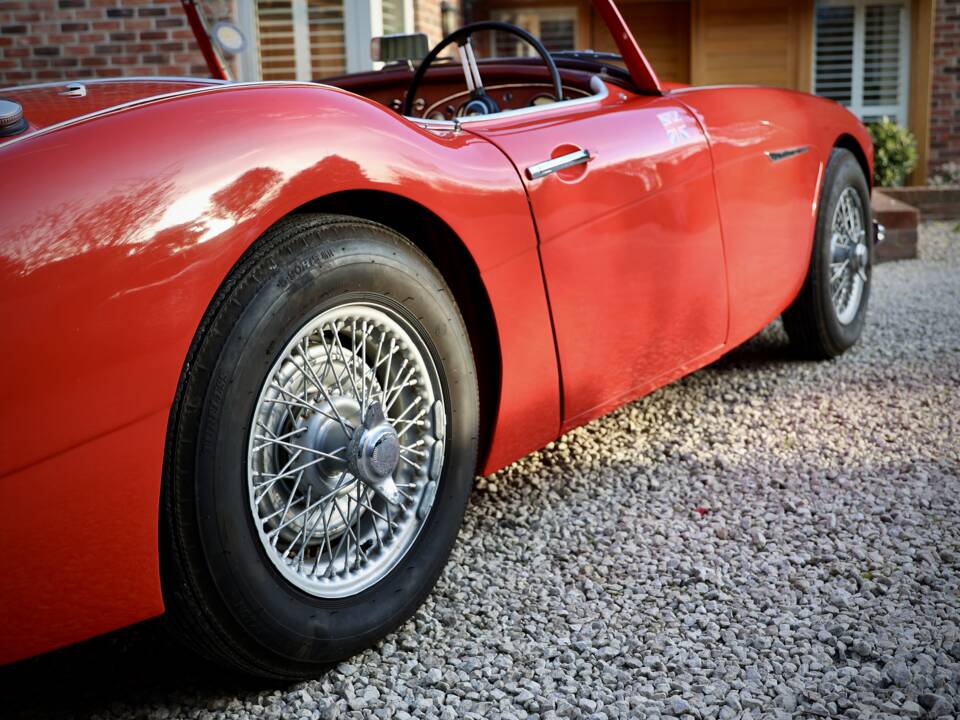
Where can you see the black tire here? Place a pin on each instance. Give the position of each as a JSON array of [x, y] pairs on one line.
[[811, 321], [222, 591]]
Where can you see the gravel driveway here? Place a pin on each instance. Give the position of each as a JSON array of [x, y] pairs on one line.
[[766, 538]]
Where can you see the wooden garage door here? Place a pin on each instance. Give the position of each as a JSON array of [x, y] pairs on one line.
[[761, 42], [662, 30]]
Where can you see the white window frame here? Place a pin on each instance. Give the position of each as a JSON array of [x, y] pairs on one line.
[[552, 12], [856, 106], [362, 21], [248, 61]]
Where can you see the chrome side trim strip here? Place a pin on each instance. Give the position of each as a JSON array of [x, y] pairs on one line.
[[213, 87], [132, 78], [600, 93], [542, 169], [721, 86], [778, 155]]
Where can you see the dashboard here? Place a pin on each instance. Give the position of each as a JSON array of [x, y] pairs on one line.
[[508, 96], [443, 94]]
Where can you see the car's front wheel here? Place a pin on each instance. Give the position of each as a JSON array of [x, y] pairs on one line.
[[322, 448]]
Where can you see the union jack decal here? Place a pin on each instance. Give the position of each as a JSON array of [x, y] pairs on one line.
[[675, 125]]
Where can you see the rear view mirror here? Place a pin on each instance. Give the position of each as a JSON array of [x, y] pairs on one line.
[[399, 48]]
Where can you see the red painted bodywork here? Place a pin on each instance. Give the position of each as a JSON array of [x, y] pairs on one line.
[[47, 105], [605, 281]]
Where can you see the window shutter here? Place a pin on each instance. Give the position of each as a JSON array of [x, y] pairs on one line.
[[393, 17], [556, 27], [328, 53], [834, 53], [300, 39], [277, 50], [557, 34], [882, 56], [861, 54]]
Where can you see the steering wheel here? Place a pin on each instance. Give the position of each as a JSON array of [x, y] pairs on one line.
[[479, 103]]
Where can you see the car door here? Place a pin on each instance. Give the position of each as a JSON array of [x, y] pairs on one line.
[[622, 193]]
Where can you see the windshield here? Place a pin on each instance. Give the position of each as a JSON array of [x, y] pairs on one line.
[[278, 42]]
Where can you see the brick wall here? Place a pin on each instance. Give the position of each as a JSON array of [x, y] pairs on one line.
[[56, 39], [428, 18], [945, 103], [43, 40]]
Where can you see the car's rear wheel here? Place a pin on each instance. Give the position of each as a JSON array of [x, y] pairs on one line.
[[828, 315], [322, 448]]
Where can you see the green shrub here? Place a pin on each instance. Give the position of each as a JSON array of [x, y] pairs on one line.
[[894, 152]]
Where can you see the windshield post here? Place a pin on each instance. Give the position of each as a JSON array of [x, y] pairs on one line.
[[217, 69], [640, 70]]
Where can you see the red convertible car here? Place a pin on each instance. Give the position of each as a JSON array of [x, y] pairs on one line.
[[260, 337]]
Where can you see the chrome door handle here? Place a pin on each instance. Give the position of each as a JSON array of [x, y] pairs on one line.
[[577, 157]]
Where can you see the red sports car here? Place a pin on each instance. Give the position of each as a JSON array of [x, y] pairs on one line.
[[260, 337]]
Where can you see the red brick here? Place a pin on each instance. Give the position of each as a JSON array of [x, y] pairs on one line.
[[945, 102], [60, 39], [138, 24]]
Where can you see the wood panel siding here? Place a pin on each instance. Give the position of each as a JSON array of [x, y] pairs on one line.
[[758, 42], [662, 30]]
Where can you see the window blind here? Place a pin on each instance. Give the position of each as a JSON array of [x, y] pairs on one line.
[[300, 39], [861, 56]]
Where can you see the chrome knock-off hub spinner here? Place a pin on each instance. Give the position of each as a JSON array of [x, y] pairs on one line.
[[374, 453]]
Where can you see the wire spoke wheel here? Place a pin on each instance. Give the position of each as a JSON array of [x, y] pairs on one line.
[[849, 256], [323, 447], [346, 449]]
